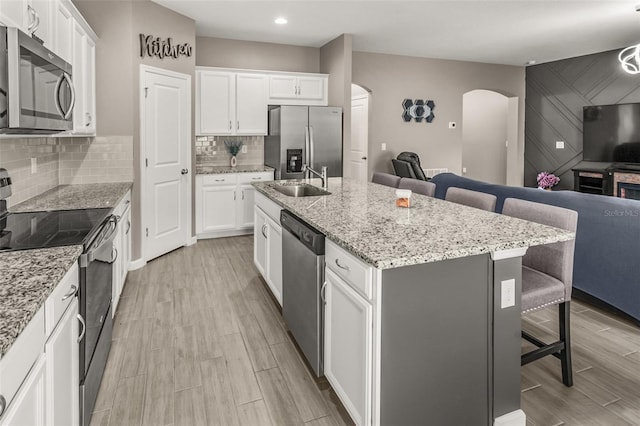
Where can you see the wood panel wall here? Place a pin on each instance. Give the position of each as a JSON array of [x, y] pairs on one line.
[[555, 94]]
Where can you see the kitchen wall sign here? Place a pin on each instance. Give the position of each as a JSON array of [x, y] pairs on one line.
[[155, 46], [418, 110]]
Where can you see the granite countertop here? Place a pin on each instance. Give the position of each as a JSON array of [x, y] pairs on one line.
[[206, 169], [27, 279], [363, 219], [76, 197]]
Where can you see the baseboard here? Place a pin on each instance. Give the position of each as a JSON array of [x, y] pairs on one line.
[[137, 264], [222, 234], [192, 240], [601, 304]]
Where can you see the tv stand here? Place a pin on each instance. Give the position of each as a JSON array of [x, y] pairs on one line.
[[626, 167], [593, 179]]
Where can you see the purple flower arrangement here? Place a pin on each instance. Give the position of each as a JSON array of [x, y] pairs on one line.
[[547, 180]]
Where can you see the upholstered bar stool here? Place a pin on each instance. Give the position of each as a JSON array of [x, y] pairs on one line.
[[418, 186], [547, 278], [385, 179], [479, 200]]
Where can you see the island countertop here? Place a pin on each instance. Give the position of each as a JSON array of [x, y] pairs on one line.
[[28, 278], [76, 197], [363, 218]]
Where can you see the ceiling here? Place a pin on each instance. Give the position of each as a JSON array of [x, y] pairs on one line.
[[501, 32]]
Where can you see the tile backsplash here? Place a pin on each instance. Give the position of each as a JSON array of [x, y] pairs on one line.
[[61, 161], [211, 150]]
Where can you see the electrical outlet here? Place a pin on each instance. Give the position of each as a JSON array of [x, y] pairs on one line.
[[452, 124], [214, 142], [559, 144], [384, 146], [507, 293], [244, 149], [34, 165], [464, 170]]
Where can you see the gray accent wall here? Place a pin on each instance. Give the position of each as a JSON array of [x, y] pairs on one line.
[[555, 94]]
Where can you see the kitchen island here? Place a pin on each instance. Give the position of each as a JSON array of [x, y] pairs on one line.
[[416, 328]]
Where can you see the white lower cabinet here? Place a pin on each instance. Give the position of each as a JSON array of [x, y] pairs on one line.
[[224, 203], [39, 375], [267, 244], [348, 330], [61, 354], [122, 250], [28, 406]]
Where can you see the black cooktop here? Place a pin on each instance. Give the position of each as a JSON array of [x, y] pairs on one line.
[[20, 231]]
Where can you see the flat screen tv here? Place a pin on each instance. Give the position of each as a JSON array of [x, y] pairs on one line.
[[611, 133]]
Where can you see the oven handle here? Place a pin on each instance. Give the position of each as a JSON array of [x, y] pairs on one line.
[[84, 327], [90, 255]]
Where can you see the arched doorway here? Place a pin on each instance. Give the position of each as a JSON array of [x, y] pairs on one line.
[[359, 152], [489, 136]]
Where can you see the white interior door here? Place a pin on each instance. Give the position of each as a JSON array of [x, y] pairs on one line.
[[166, 141], [359, 138]]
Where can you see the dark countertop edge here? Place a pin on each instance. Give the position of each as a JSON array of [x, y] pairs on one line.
[[414, 260]]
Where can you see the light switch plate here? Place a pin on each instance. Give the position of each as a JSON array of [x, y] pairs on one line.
[[559, 144], [244, 149], [507, 293], [384, 147]]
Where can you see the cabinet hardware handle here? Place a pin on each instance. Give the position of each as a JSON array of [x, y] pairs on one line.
[[3, 405], [234, 195], [322, 292], [88, 119], [238, 125], [264, 225], [346, 268], [72, 292], [128, 227], [219, 180], [243, 194], [84, 327], [114, 255], [258, 178], [229, 124]]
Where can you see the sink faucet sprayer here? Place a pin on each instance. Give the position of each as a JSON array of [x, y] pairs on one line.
[[322, 175]]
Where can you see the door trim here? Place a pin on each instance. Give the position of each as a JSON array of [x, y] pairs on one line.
[[144, 201]]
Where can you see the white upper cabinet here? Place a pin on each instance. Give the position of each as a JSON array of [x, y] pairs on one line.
[[298, 89], [30, 16], [83, 64], [231, 103], [63, 31]]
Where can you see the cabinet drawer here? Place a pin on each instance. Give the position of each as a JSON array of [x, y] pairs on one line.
[[355, 272], [16, 363], [219, 179], [254, 177], [124, 204], [60, 298], [269, 207]]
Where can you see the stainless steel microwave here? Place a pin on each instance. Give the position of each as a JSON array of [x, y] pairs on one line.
[[36, 87]]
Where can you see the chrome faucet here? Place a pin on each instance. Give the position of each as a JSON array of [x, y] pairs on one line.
[[322, 175]]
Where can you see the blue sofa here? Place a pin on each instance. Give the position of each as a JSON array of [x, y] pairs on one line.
[[607, 254]]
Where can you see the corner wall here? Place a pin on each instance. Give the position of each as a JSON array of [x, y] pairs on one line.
[[393, 78], [556, 93]]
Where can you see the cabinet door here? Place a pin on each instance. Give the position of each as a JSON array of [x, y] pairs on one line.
[[89, 95], [260, 241], [219, 208], [215, 103], [312, 88], [116, 268], [274, 259], [246, 204], [63, 32], [61, 354], [28, 406], [79, 65], [43, 11], [283, 86], [251, 104], [13, 13], [125, 251], [348, 347]]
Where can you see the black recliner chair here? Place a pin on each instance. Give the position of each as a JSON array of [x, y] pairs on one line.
[[407, 164]]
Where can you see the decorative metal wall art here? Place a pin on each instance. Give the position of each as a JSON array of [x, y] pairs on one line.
[[418, 110], [155, 46]]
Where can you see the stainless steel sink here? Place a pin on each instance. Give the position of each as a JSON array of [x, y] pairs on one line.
[[300, 190]]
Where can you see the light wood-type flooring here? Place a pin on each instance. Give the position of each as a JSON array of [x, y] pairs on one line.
[[198, 340]]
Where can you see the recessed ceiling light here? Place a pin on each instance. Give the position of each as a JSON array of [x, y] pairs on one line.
[[281, 20]]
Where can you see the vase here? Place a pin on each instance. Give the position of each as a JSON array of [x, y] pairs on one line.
[[234, 161]]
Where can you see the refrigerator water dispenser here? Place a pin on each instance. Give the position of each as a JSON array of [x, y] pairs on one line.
[[294, 161]]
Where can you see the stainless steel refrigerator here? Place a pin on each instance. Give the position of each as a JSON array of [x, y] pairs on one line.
[[304, 135]]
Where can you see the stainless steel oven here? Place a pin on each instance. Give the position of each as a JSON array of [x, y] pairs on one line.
[[36, 87], [95, 313]]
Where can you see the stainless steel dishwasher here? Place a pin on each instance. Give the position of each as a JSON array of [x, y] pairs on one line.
[[302, 279]]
